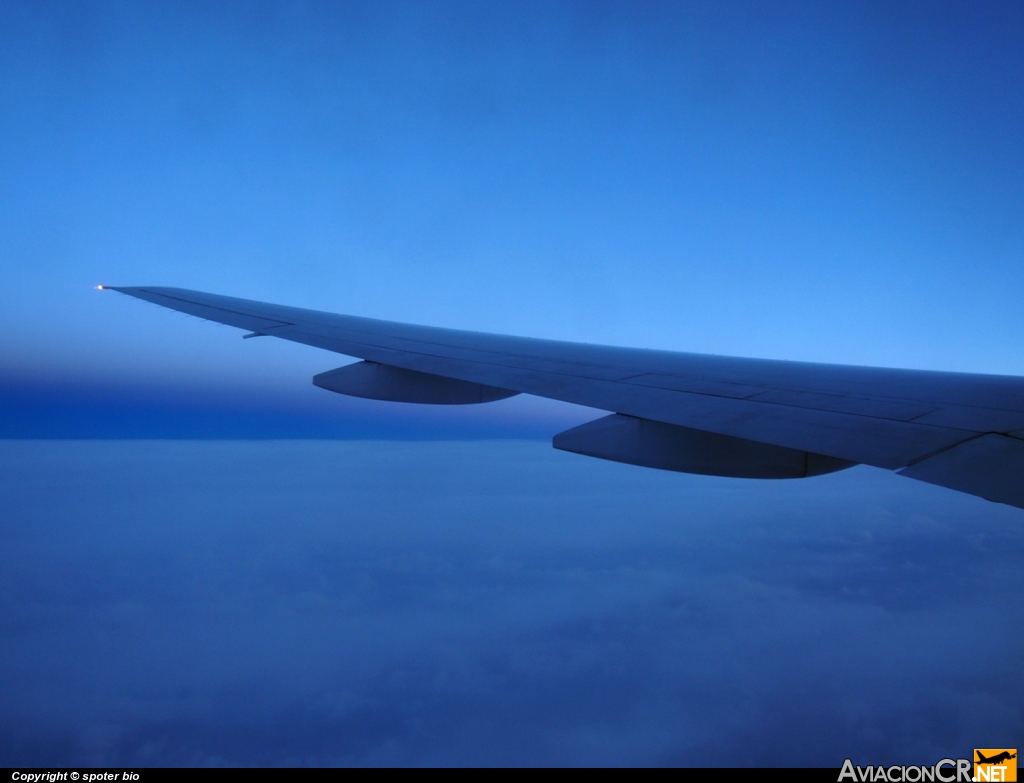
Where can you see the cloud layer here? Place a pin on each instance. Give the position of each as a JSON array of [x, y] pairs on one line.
[[491, 603]]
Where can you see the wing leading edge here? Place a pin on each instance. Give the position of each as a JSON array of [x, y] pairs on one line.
[[956, 430]]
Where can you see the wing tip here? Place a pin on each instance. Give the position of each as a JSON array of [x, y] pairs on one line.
[[119, 288]]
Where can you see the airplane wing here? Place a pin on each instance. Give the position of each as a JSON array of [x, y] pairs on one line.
[[679, 411]]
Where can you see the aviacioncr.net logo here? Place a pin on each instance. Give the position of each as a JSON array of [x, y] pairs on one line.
[[945, 771]]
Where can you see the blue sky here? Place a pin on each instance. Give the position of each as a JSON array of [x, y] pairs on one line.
[[832, 182]]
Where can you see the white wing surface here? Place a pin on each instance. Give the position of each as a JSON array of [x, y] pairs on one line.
[[680, 411]]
